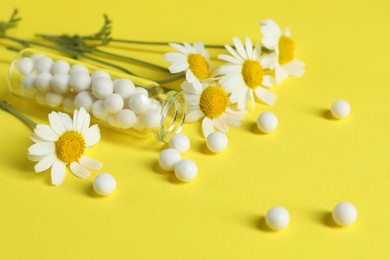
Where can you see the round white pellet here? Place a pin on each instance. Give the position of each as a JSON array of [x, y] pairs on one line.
[[124, 87], [139, 102], [80, 81], [154, 105], [54, 99], [277, 218], [43, 80], [100, 74], [77, 68], [168, 159], [84, 99], [126, 118], [43, 64], [102, 87], [36, 56], [68, 104], [152, 119], [60, 66], [28, 85], [113, 120], [60, 82], [267, 122], [180, 142], [344, 214], [104, 184], [141, 90], [186, 170], [113, 103], [340, 109], [216, 142], [98, 110], [139, 123], [26, 65]]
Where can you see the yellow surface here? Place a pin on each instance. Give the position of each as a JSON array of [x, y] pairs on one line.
[[308, 165]]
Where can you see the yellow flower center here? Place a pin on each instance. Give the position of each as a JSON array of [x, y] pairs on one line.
[[198, 65], [286, 50], [70, 146], [213, 101], [253, 73]]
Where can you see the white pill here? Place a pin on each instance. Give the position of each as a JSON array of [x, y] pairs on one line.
[[186, 170], [168, 159], [216, 142], [26, 65], [80, 81], [68, 104], [43, 80], [139, 102], [180, 142], [41, 98], [78, 68], [98, 110], [84, 99], [60, 66], [60, 83], [139, 123], [267, 122], [142, 91], [113, 120], [100, 74], [54, 99], [277, 218], [43, 64], [102, 87], [113, 103], [340, 109], [36, 56], [124, 87], [344, 214], [28, 85], [104, 184], [152, 119], [154, 105], [126, 118]]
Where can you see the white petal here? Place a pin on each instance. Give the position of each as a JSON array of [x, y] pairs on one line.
[[294, 68], [189, 88], [266, 96], [257, 52], [75, 116], [240, 48], [251, 97], [268, 81], [192, 98], [190, 77], [194, 116], [242, 101], [79, 170], [46, 133], [41, 148], [81, 117], [179, 48], [90, 163], [232, 119], [269, 60], [86, 122], [228, 69], [56, 123], [199, 47], [36, 138], [189, 47], [35, 158], [92, 135], [233, 53], [287, 32], [271, 34], [175, 57], [45, 163], [229, 59], [231, 83], [280, 73], [66, 120], [58, 172], [178, 67], [207, 126], [249, 47], [220, 125]]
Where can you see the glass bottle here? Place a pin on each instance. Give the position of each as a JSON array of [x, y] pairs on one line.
[[124, 102]]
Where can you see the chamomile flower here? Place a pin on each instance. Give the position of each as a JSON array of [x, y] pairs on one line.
[[246, 74], [193, 59], [64, 142], [210, 102], [284, 50]]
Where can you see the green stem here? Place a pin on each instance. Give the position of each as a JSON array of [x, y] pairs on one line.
[[215, 46], [145, 63], [171, 79], [6, 107]]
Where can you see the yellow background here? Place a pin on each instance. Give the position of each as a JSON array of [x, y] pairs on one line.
[[308, 165]]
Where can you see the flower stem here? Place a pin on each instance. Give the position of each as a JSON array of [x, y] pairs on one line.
[[170, 79], [215, 46], [6, 107]]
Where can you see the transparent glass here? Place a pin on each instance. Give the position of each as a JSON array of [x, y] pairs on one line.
[[124, 102]]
